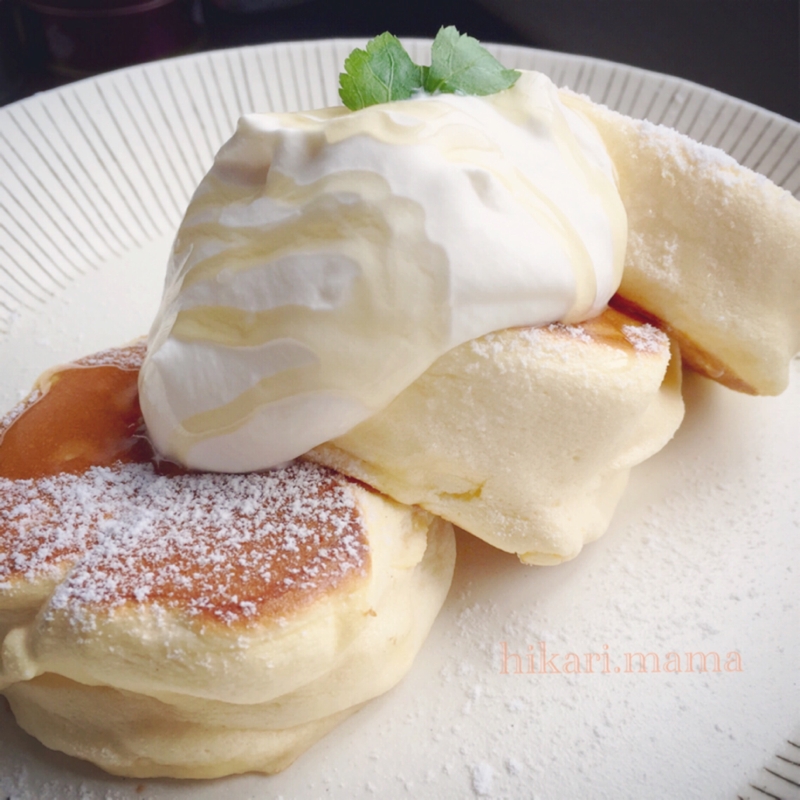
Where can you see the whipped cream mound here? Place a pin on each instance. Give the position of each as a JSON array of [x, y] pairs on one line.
[[330, 257]]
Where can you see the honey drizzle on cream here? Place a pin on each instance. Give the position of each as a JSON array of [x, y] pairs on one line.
[[374, 293]]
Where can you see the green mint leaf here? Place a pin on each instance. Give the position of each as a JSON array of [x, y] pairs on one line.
[[381, 73], [460, 64]]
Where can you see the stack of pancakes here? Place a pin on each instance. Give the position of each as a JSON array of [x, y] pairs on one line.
[[525, 438], [158, 622]]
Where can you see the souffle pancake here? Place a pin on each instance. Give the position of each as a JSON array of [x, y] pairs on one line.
[[525, 437], [337, 270], [159, 622], [713, 254], [437, 305]]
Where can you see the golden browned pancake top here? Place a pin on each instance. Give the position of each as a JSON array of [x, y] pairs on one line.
[[615, 329], [694, 356], [232, 548]]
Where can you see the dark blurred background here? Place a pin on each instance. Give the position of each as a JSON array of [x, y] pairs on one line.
[[747, 48]]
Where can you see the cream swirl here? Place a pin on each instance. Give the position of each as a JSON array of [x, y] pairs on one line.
[[330, 257]]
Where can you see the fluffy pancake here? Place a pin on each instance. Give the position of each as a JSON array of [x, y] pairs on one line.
[[525, 437], [158, 622], [530, 453], [713, 252]]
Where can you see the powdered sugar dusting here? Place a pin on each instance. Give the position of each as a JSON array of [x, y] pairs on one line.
[[128, 358], [645, 338], [232, 547], [488, 346], [574, 331], [686, 153], [482, 775], [528, 342]]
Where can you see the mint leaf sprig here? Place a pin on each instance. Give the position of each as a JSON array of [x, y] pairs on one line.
[[385, 72], [381, 73]]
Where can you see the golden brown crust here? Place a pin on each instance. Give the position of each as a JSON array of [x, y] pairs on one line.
[[78, 489], [613, 328], [693, 355]]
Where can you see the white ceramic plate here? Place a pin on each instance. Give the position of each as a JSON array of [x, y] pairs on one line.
[[702, 555]]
